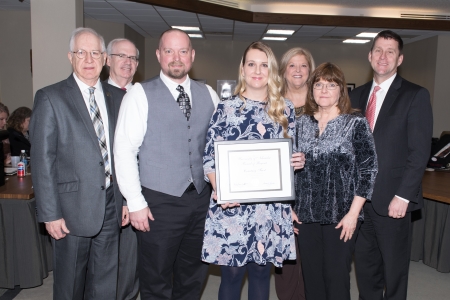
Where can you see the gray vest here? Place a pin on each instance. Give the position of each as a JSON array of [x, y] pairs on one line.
[[171, 155]]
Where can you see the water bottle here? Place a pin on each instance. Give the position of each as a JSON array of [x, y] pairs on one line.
[[22, 165]]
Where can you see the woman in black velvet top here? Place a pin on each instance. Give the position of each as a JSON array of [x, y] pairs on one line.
[[18, 131], [338, 177]]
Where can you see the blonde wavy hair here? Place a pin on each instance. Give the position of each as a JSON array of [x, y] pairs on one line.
[[285, 60], [275, 102]]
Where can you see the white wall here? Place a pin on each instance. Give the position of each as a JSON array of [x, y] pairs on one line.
[[16, 88]]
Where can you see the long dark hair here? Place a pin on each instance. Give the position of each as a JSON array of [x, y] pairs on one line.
[[17, 118]]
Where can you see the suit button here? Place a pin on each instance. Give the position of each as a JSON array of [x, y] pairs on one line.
[[189, 127], [100, 163], [189, 140], [191, 166], [190, 153], [102, 187]]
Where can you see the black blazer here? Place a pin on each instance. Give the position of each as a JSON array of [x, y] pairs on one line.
[[68, 170], [18, 142], [402, 137]]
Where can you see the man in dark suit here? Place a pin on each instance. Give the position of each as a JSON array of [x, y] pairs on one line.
[[399, 113], [123, 59], [72, 133]]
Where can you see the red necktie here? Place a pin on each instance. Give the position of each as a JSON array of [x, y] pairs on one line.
[[371, 107]]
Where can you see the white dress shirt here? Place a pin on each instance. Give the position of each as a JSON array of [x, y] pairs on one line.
[[100, 99], [381, 95], [112, 82], [130, 131]]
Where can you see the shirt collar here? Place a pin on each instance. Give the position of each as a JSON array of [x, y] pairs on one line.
[[83, 86], [113, 83], [172, 85], [385, 85]]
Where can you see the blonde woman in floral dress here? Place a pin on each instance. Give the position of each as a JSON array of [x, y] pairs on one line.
[[250, 237]]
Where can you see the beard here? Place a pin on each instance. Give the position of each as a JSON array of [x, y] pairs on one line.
[[178, 72]]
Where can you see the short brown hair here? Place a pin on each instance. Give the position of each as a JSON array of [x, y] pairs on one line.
[[331, 73]]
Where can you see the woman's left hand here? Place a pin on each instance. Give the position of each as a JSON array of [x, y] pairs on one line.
[[298, 160], [348, 224]]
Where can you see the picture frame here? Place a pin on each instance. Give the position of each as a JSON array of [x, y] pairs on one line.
[[252, 171]]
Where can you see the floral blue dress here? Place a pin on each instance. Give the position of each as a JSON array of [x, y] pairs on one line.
[[259, 233]]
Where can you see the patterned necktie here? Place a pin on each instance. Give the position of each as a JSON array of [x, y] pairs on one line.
[[100, 130], [371, 107], [183, 102]]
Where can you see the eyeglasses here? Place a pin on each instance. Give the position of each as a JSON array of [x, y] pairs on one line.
[[82, 54], [124, 57], [320, 85]]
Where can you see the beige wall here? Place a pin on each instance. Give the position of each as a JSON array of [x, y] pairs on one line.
[[16, 88], [139, 41], [441, 103]]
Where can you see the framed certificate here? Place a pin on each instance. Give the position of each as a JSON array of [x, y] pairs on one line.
[[254, 171]]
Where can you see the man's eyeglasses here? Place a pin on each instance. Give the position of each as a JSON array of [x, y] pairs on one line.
[[320, 85], [82, 53], [124, 57]]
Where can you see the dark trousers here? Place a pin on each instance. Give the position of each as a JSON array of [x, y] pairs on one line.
[[128, 281], [86, 267], [289, 279], [382, 255], [170, 265], [326, 261]]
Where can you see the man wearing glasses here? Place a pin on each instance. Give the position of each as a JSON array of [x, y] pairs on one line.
[[123, 59], [72, 133]]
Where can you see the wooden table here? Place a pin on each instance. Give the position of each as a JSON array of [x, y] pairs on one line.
[[25, 247], [436, 186], [17, 188]]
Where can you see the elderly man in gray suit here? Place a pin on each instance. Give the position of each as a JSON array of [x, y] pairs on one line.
[[72, 133], [165, 120]]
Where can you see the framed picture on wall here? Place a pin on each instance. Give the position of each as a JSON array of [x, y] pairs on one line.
[[225, 88], [350, 87]]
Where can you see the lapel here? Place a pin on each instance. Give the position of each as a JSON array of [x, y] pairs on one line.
[[390, 98], [74, 94], [110, 107], [365, 97]]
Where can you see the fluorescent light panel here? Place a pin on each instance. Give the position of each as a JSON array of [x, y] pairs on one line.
[[367, 34], [280, 31], [195, 35], [187, 28], [274, 38], [354, 41]]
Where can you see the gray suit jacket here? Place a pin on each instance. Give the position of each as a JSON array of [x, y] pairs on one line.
[[67, 165]]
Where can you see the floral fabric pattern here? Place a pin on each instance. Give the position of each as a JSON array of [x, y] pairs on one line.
[[260, 233], [340, 163]]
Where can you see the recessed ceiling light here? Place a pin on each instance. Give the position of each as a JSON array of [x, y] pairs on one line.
[[195, 35], [274, 38], [280, 31], [367, 34], [354, 41], [187, 28]]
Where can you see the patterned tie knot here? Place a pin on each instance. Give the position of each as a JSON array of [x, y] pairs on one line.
[[183, 102], [91, 90]]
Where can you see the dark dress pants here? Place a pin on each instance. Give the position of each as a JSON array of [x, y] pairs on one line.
[[289, 279], [326, 261], [170, 265], [128, 281], [382, 255], [86, 267]]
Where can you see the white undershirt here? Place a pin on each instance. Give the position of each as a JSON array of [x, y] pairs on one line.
[[100, 99], [130, 131]]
